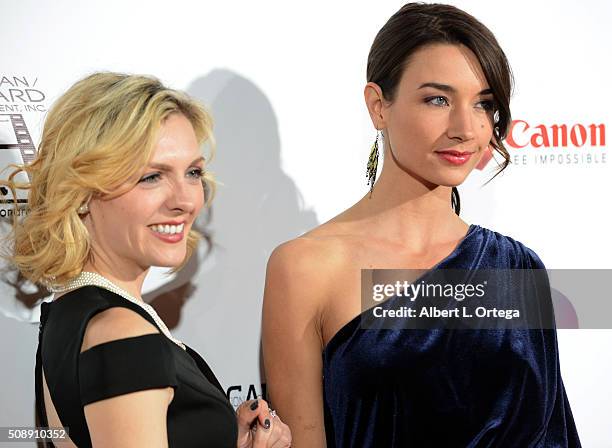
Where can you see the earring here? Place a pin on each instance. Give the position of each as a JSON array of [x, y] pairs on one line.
[[83, 209], [373, 163]]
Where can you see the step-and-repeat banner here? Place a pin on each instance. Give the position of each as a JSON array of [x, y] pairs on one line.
[[284, 82]]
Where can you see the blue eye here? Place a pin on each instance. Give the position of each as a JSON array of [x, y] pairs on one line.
[[437, 101], [196, 173], [150, 179]]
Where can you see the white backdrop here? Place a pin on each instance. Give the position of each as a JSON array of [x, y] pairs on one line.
[[284, 81]]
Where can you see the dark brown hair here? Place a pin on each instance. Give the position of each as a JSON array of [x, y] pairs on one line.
[[416, 25]]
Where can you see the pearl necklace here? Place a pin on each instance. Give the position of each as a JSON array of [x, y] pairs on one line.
[[92, 278]]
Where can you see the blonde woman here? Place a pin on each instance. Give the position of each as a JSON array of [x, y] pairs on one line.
[[117, 184]]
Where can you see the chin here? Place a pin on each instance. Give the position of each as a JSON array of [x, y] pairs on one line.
[[449, 181], [451, 184], [446, 177], [167, 261]]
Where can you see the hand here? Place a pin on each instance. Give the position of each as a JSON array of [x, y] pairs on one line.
[[258, 428]]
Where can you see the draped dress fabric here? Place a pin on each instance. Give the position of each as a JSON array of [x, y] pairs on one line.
[[199, 413], [449, 388]]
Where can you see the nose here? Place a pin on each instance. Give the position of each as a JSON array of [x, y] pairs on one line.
[[185, 197], [460, 123]]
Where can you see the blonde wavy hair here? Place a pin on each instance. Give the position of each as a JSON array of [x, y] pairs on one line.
[[99, 135]]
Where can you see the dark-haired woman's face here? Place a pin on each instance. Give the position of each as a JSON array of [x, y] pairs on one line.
[[442, 103]]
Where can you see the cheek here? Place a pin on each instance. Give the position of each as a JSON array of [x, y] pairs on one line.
[[138, 211], [485, 132], [199, 198], [130, 214], [417, 124], [431, 126], [418, 134]]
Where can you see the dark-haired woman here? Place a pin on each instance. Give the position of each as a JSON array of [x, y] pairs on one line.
[[438, 93]]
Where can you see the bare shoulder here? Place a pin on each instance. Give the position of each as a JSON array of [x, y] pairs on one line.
[[306, 269], [320, 253], [302, 276], [115, 323]]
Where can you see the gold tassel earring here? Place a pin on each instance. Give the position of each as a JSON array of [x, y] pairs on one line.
[[373, 163]]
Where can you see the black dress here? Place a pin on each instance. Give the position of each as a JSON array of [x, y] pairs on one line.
[[199, 414]]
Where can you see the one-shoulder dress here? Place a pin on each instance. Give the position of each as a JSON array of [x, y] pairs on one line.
[[394, 387], [199, 414]]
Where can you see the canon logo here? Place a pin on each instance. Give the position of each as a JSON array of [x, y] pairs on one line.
[[578, 135]]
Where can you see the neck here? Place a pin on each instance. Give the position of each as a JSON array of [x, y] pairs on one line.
[[408, 208], [130, 282]]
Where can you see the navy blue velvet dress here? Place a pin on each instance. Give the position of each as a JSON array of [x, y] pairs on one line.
[[449, 388]]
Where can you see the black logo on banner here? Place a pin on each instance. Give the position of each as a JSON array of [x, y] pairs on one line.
[[20, 99], [16, 147], [236, 396]]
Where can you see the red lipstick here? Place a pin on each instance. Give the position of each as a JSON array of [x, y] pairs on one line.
[[454, 157]]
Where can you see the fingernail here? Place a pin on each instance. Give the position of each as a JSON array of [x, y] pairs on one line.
[[267, 423], [254, 405]]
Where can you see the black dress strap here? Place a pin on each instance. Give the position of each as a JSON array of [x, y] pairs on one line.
[[126, 365], [62, 324], [41, 414]]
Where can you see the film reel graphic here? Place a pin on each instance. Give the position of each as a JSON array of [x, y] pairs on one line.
[[16, 147]]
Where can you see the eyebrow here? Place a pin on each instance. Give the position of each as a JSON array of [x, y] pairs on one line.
[[450, 89], [164, 167]]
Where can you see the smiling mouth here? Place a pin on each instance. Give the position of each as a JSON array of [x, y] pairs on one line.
[[168, 229]]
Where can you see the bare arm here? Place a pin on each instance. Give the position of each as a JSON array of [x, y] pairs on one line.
[[133, 419], [292, 341]]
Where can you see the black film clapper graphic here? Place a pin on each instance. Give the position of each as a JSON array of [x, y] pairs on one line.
[[27, 150]]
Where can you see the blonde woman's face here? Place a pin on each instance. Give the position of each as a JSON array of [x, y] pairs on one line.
[[148, 225], [442, 103]]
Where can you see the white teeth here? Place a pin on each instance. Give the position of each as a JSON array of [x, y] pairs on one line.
[[167, 228]]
